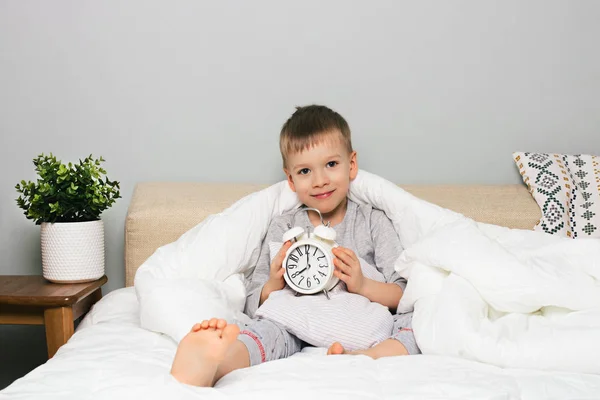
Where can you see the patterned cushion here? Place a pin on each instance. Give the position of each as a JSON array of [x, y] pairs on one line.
[[567, 189]]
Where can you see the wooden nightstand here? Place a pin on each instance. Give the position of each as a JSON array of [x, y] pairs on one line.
[[32, 300]]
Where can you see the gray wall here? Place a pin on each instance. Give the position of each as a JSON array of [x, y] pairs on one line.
[[435, 92]]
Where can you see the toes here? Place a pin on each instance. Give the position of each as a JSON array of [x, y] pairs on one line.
[[329, 350], [212, 324], [221, 324], [230, 333], [335, 349]]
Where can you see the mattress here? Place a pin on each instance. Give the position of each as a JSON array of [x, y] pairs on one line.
[[111, 357]]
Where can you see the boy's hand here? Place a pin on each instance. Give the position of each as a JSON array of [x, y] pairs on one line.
[[276, 281], [348, 269]]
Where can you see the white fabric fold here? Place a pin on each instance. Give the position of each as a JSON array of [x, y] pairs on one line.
[[507, 297]]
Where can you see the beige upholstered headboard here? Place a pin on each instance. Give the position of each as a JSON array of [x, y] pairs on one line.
[[160, 212]]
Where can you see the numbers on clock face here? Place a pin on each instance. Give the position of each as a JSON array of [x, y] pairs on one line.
[[307, 267]]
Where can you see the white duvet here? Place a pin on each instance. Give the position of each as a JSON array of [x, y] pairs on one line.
[[111, 357], [511, 298], [499, 314]]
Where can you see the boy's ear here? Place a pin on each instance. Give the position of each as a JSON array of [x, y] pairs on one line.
[[289, 179], [353, 166]]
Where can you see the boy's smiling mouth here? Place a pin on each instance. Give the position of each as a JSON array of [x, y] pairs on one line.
[[323, 195]]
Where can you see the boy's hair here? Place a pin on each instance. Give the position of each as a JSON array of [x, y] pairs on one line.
[[309, 125]]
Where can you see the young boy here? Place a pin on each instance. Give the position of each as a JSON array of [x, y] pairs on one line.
[[319, 163]]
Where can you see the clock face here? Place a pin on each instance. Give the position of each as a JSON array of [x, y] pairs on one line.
[[307, 268]]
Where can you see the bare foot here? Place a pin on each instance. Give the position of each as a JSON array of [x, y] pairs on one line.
[[201, 351], [336, 349], [387, 348]]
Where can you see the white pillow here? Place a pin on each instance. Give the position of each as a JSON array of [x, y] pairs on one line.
[[351, 319]]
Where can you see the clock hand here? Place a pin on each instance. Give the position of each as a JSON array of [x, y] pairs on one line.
[[295, 274]]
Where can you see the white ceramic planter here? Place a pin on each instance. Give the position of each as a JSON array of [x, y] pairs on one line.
[[72, 251]]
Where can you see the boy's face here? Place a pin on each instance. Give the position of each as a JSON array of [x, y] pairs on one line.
[[321, 174]]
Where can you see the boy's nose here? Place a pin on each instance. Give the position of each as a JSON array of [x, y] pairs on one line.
[[320, 179]]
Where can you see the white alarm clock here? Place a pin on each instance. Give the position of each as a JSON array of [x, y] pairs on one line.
[[308, 262]]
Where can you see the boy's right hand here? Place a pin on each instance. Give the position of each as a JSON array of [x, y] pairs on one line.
[[276, 281]]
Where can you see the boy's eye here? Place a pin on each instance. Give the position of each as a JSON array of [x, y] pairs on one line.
[[304, 171], [332, 163]]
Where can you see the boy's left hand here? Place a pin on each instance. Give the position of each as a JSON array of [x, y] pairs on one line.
[[348, 269]]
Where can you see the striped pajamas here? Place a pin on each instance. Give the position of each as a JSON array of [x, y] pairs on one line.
[[268, 341], [366, 231]]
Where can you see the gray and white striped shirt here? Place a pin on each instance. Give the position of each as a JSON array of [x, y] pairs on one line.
[[366, 231]]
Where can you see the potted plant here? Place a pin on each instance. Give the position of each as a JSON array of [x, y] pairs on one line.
[[67, 201]]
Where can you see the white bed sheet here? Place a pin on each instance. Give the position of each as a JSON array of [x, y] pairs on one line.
[[112, 357]]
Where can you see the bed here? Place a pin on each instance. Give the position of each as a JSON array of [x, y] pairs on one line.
[[110, 356]]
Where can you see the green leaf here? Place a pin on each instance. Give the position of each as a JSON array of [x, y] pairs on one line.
[[71, 192]]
